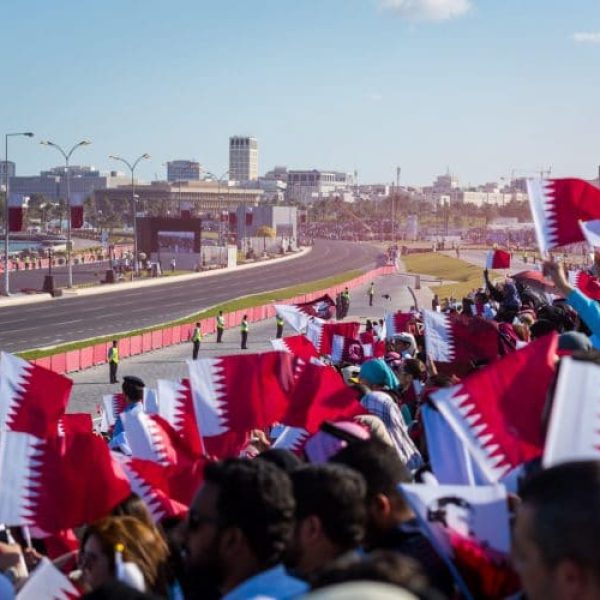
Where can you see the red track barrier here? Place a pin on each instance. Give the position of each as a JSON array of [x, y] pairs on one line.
[[157, 339], [72, 361], [58, 363], [135, 345], [86, 357], [146, 342]]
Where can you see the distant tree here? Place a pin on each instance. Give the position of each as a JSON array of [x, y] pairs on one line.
[[264, 231]]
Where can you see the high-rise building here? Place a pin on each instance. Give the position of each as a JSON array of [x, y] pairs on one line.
[[243, 159], [183, 170]]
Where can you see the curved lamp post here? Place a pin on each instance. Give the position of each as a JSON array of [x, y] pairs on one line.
[[67, 157], [6, 290], [131, 167]]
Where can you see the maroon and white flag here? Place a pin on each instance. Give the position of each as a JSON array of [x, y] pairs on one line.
[[32, 398], [320, 394], [397, 323], [372, 346], [241, 392], [559, 206], [150, 482], [299, 315], [574, 430], [460, 338], [177, 408], [75, 423], [321, 334], [47, 581], [497, 411], [59, 482], [298, 345], [151, 437], [497, 259], [586, 283], [293, 439]]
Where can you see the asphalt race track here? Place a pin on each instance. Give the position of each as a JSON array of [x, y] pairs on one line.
[[69, 319]]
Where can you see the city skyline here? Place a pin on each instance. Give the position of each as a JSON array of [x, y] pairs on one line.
[[486, 89]]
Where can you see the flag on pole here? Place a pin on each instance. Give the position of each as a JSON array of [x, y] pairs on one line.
[[497, 259], [585, 282], [497, 411], [558, 206]]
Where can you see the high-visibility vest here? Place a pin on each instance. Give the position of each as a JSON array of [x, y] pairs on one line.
[[220, 322], [372, 290], [244, 327], [196, 335], [346, 295], [113, 355], [279, 321]]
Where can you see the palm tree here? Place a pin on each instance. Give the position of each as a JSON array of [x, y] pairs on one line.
[[265, 232]]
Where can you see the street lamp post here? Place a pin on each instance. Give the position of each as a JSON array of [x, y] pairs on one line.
[[6, 290], [67, 157], [131, 167]]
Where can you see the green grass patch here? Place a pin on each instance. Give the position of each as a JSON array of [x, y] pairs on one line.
[[230, 306], [464, 276]]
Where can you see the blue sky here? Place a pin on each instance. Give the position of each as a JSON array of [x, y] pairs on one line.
[[483, 87]]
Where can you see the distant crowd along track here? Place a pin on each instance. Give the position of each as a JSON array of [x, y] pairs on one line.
[[71, 319]]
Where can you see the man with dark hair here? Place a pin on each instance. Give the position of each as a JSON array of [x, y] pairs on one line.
[[133, 393], [557, 531], [238, 527], [391, 524], [330, 516]]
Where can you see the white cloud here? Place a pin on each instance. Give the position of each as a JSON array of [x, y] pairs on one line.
[[427, 10], [592, 38], [375, 96]]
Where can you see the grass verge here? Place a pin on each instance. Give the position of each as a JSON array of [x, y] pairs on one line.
[[229, 306], [464, 276]]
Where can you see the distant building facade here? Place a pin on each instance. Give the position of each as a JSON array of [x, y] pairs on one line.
[[6, 166], [243, 159], [308, 186], [183, 170]]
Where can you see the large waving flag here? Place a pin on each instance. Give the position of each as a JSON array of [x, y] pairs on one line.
[[32, 398], [585, 282], [559, 206], [298, 345], [497, 259], [300, 315], [320, 394], [47, 581], [57, 483], [574, 430], [497, 411], [322, 334], [241, 392], [460, 338]]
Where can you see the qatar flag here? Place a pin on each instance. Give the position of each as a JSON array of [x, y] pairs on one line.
[[397, 323], [58, 483], [497, 411], [240, 392], [574, 430], [46, 581], [559, 207], [460, 338], [299, 315], [298, 345], [322, 334], [320, 394], [497, 259], [32, 398], [586, 283]]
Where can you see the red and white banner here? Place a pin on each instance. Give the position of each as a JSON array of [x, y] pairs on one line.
[[76, 202], [586, 283], [47, 581], [497, 411], [298, 345], [241, 392], [32, 398], [322, 334], [558, 206], [498, 259], [16, 210]]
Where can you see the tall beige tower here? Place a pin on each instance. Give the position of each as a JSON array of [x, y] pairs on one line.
[[243, 158]]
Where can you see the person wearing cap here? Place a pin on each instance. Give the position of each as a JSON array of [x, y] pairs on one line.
[[133, 392], [407, 345]]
